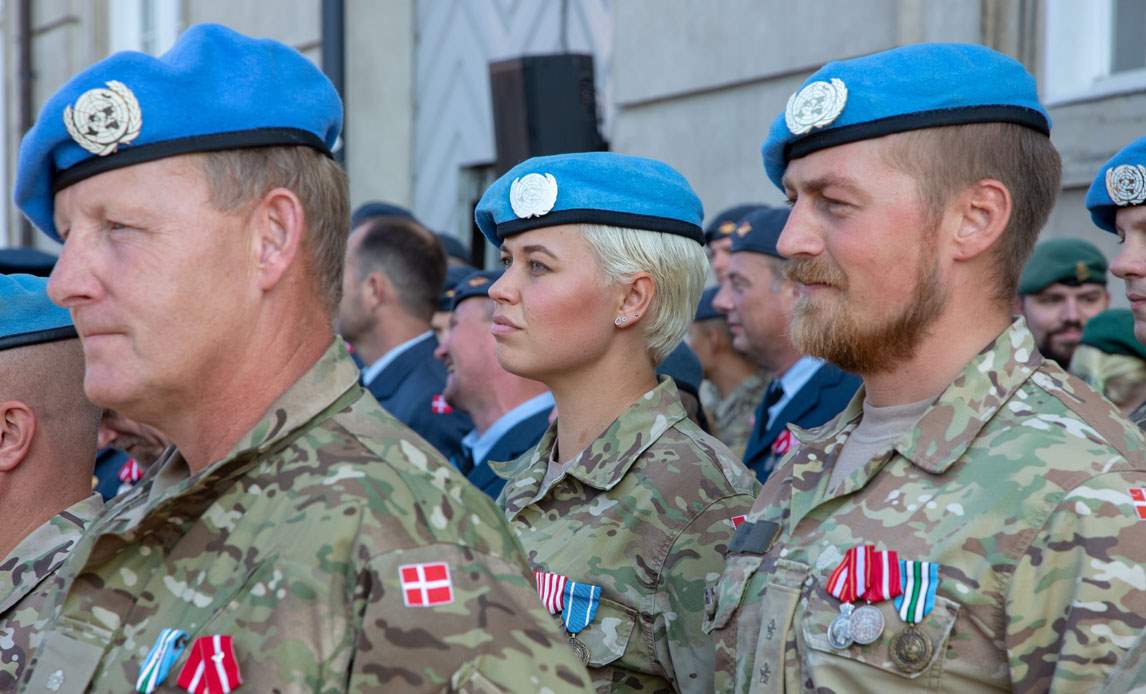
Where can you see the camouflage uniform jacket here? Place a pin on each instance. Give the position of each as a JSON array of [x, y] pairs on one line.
[[1138, 416], [24, 584], [1016, 481], [642, 513], [734, 415], [294, 545]]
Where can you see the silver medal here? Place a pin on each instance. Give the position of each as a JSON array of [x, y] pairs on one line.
[[866, 624], [840, 631]]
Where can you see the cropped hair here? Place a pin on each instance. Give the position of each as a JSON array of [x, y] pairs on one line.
[[239, 177], [946, 160], [410, 256], [677, 265]]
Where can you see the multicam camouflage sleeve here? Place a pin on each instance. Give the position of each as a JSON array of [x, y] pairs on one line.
[[461, 621], [1077, 603]]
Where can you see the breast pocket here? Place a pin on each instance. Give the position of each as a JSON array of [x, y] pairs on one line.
[[872, 664], [607, 638]]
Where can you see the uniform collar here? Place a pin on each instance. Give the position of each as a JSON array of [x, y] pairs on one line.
[[331, 380], [43, 551], [481, 444], [949, 426], [604, 463], [374, 370]]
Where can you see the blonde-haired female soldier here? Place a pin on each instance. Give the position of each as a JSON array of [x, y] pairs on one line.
[[625, 506]]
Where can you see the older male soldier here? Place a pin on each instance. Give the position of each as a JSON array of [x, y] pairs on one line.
[[968, 522], [738, 381], [47, 450], [1062, 287], [510, 413], [758, 301], [1116, 202], [296, 537]]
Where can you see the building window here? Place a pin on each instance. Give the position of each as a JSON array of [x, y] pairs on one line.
[[1093, 49], [150, 26]]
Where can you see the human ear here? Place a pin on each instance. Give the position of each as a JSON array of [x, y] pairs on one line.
[[280, 222], [983, 212], [17, 428], [638, 295]]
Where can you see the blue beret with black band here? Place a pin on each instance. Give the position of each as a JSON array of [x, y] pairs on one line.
[[913, 87], [28, 316], [1121, 182], [214, 90], [590, 188]]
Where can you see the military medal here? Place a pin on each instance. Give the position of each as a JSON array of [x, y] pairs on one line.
[[551, 590], [867, 621], [847, 583], [911, 648], [157, 665], [581, 601]]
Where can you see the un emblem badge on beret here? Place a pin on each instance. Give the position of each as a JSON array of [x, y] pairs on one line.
[[815, 106], [104, 118], [1126, 184], [533, 195]]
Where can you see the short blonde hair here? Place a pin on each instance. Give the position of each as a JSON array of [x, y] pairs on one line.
[[678, 266]]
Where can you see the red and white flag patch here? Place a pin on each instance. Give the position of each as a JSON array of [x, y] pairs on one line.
[[1138, 496], [426, 585], [737, 521], [438, 405], [551, 590], [130, 472], [211, 668]]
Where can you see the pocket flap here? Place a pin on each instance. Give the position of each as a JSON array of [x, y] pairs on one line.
[[821, 609], [723, 598], [608, 636]]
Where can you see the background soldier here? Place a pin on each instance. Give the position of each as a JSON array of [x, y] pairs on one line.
[[1115, 201], [1062, 287], [296, 536], [738, 382], [47, 450], [992, 494]]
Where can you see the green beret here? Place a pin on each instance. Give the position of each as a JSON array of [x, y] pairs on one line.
[[1112, 331], [1067, 261]]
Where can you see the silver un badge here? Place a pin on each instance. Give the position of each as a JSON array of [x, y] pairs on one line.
[[1126, 184], [103, 119], [815, 106], [533, 195]]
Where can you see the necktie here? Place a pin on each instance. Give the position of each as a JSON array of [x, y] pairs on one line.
[[771, 397]]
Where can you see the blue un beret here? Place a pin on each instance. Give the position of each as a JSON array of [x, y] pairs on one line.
[[590, 188], [705, 310], [1121, 182], [214, 90], [908, 88], [759, 232], [477, 284], [28, 316]]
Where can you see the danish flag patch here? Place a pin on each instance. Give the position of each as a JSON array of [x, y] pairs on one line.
[[737, 521], [438, 405], [426, 585], [1138, 496]]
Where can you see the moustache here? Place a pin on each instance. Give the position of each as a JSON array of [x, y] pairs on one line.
[[1071, 325], [814, 271]]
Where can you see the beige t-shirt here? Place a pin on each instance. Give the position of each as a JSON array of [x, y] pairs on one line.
[[877, 432]]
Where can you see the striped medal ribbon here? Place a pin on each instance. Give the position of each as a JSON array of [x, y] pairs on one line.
[[867, 621], [847, 583], [911, 649]]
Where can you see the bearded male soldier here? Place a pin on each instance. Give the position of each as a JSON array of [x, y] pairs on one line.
[[968, 522]]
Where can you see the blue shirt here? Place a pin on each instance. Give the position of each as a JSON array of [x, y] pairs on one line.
[[479, 445]]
